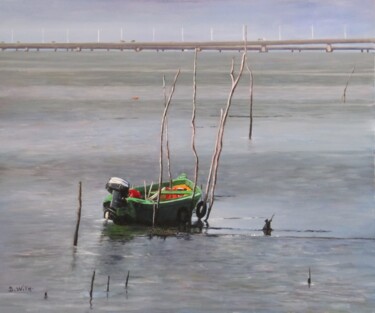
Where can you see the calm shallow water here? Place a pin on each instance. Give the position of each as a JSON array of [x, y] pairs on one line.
[[70, 117]]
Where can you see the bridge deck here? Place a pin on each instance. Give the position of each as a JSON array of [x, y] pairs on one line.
[[364, 44]]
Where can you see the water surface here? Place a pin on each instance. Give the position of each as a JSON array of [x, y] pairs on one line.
[[70, 117]]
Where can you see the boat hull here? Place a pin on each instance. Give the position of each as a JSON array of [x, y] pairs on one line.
[[175, 207]]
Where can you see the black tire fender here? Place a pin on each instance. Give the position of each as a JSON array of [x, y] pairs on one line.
[[201, 209]]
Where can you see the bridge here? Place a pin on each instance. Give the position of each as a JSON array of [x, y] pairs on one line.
[[328, 45]]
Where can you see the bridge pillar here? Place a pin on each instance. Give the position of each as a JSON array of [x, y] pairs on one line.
[[329, 48], [264, 49]]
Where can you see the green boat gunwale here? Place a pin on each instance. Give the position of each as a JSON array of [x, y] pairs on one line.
[[170, 212]]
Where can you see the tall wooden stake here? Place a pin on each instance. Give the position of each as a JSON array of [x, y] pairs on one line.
[[219, 139], [162, 128], [346, 86], [309, 279], [219, 146], [193, 124], [168, 154], [251, 100], [78, 214], [127, 280], [109, 278], [250, 86], [92, 284]]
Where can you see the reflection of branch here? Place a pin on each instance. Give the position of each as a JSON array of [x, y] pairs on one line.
[[347, 84]]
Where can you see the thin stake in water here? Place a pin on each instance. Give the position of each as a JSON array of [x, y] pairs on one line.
[[127, 280], [309, 279], [346, 86], [109, 278], [92, 284], [78, 214]]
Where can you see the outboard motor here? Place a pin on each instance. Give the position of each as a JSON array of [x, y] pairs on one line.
[[119, 188]]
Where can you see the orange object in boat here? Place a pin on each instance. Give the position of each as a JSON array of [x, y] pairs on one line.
[[181, 187]]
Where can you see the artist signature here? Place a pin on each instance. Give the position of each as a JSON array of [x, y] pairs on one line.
[[21, 288]]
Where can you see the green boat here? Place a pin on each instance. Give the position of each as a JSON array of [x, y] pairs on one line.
[[139, 205]]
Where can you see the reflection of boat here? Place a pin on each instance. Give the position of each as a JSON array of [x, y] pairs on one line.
[[121, 233], [138, 205]]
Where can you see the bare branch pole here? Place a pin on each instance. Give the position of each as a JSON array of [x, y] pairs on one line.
[[75, 242], [209, 178], [346, 86], [149, 191], [162, 128], [153, 212], [109, 278], [251, 100], [219, 145], [193, 124], [250, 89], [220, 135], [127, 280], [166, 136], [92, 284]]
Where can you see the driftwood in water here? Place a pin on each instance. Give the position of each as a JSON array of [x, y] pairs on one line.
[[75, 242]]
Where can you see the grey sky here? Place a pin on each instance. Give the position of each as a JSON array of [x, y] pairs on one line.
[[145, 20]]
